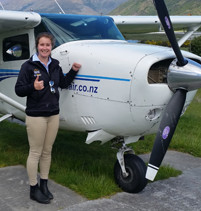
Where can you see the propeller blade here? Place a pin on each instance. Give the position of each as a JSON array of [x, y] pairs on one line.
[[166, 130], [167, 25]]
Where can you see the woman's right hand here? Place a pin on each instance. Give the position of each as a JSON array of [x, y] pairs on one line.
[[38, 85]]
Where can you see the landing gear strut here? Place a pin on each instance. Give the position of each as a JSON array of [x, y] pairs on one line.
[[129, 169]]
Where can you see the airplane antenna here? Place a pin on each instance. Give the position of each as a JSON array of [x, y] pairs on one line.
[[1, 5], [59, 7]]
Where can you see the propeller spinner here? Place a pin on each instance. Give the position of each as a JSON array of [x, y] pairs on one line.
[[183, 75]]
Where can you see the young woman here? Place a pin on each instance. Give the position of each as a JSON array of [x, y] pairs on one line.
[[39, 80]]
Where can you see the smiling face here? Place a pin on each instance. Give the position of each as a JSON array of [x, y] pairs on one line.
[[44, 48]]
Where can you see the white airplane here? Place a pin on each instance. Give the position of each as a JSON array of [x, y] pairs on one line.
[[122, 92]]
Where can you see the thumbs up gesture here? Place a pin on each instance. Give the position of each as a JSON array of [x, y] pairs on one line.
[[38, 85]]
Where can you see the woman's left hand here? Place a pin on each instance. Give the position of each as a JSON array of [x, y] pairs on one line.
[[76, 66]]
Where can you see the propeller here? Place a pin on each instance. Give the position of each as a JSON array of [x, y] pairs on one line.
[[183, 75], [165, 132]]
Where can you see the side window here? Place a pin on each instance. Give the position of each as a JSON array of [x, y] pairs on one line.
[[16, 48]]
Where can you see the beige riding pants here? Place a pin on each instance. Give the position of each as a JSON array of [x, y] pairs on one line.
[[41, 133]]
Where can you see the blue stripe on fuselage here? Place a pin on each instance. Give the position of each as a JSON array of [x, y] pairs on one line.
[[8, 73], [91, 77]]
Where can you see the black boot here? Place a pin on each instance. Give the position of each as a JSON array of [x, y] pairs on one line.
[[37, 195], [44, 188]]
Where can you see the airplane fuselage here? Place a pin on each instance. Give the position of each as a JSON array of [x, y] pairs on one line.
[[121, 89], [111, 92]]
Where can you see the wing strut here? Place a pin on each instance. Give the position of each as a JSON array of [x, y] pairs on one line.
[[188, 34], [5, 117], [12, 102]]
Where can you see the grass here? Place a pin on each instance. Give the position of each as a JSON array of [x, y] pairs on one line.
[[88, 169], [166, 172], [188, 133]]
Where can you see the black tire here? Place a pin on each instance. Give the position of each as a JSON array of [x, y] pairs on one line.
[[136, 168]]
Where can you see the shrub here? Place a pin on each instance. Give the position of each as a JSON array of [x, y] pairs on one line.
[[196, 46]]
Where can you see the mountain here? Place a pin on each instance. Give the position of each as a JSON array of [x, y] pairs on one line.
[[97, 7], [90, 7], [146, 7]]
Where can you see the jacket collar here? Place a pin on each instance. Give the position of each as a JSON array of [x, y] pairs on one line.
[[35, 58], [54, 63]]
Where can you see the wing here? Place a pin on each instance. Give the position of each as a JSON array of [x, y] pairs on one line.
[[130, 25], [11, 20]]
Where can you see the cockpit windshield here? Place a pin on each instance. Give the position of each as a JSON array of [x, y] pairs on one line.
[[67, 28]]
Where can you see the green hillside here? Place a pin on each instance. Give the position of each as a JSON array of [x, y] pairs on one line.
[[146, 7]]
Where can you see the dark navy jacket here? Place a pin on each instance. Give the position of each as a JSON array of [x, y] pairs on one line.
[[42, 102]]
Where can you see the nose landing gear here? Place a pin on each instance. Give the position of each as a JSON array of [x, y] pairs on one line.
[[129, 170]]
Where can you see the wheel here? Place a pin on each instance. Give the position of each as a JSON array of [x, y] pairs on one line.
[[136, 169]]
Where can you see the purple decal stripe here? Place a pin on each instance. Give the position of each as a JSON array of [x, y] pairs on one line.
[[166, 132]]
